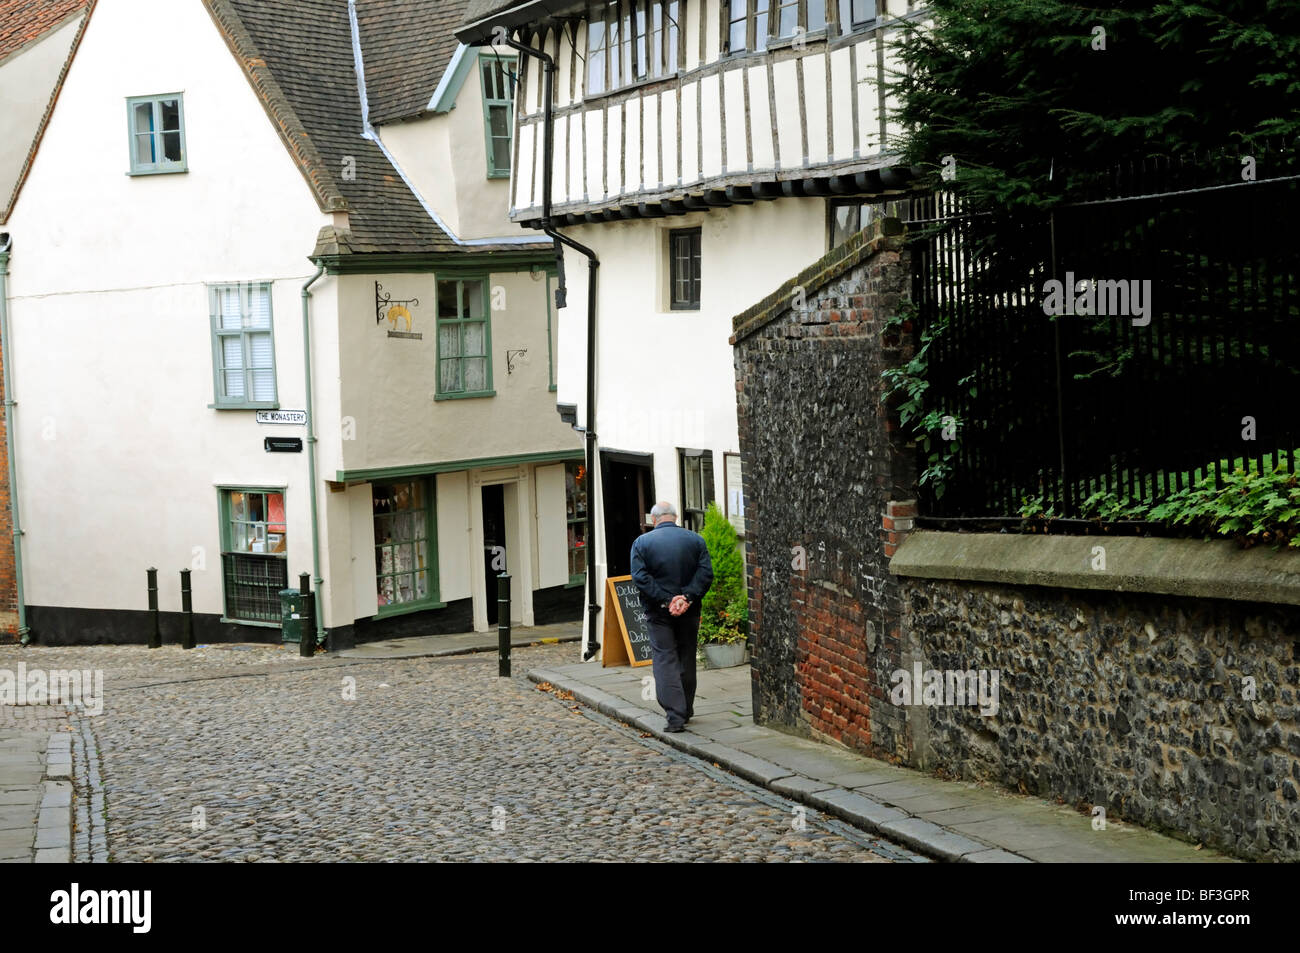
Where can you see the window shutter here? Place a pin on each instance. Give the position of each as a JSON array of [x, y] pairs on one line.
[[232, 361], [259, 306]]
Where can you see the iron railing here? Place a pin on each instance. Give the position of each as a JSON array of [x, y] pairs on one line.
[[1145, 389]]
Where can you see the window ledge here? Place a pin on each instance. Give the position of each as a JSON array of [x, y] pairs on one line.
[[477, 393], [135, 172], [788, 42], [387, 612], [263, 405], [1209, 569], [647, 81], [257, 624]]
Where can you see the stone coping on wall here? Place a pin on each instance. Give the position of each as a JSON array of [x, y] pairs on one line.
[[883, 233], [1210, 569]]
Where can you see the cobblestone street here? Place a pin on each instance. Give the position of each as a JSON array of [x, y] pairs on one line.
[[248, 753]]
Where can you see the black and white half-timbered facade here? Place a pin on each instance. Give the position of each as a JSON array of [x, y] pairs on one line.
[[702, 152]]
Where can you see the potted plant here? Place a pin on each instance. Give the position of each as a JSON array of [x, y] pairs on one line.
[[724, 611]]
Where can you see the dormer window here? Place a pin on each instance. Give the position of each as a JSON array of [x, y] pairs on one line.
[[498, 113]]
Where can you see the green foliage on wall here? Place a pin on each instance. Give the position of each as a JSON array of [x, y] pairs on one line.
[[724, 612]]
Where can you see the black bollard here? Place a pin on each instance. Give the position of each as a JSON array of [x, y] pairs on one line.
[[307, 644], [187, 611], [155, 633], [503, 625]]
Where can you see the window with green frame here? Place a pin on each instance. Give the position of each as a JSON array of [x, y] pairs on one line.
[[464, 338], [156, 126], [575, 493], [498, 112], [254, 567], [406, 563], [243, 345]]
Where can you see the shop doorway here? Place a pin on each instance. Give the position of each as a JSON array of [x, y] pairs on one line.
[[495, 555], [628, 482]]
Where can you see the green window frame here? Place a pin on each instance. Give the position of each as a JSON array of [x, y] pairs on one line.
[[498, 112], [243, 346], [405, 516], [156, 134], [696, 472], [576, 515], [254, 559], [464, 338]]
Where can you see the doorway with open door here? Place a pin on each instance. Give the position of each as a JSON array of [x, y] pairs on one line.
[[495, 553], [628, 484]]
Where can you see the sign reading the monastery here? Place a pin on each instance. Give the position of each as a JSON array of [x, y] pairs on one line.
[[627, 627], [282, 417]]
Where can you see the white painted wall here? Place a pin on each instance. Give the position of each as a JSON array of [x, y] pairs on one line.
[[118, 452], [552, 527], [666, 379], [453, 536], [27, 81], [389, 385], [445, 156]]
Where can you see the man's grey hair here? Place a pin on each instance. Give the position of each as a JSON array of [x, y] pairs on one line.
[[662, 509]]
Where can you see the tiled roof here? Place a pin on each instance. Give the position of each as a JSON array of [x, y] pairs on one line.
[[478, 9], [407, 44], [298, 56], [12, 198], [22, 21], [510, 13]]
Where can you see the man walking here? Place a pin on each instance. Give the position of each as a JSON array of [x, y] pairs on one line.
[[672, 569]]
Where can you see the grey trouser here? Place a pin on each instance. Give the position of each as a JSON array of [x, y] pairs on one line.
[[673, 645]]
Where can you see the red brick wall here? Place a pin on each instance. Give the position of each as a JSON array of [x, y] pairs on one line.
[[827, 471], [831, 665]]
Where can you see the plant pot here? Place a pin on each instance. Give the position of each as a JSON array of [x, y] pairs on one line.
[[724, 654]]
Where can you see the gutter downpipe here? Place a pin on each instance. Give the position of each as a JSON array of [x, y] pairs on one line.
[[561, 296], [24, 633], [311, 454]]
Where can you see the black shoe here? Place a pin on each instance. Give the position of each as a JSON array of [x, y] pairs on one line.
[[676, 728]]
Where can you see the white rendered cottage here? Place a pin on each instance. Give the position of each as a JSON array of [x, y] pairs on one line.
[[268, 317]]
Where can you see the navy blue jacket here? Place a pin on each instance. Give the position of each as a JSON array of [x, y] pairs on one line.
[[669, 561]]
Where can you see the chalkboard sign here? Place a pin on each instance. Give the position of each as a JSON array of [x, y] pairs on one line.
[[627, 628]]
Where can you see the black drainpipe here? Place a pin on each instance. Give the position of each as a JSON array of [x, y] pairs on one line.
[[561, 298]]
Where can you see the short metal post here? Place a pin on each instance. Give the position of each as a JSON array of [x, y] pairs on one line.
[[155, 633], [503, 625], [307, 643], [187, 611]]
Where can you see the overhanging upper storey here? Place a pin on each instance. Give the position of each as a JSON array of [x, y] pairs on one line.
[[663, 106]]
